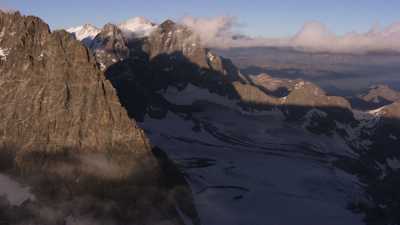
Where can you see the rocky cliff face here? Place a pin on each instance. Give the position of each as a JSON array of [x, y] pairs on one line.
[[65, 135], [54, 96], [175, 39]]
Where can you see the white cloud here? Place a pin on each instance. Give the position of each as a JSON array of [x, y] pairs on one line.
[[313, 36], [212, 31]]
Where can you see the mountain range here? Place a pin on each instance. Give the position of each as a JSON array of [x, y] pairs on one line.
[[140, 123]]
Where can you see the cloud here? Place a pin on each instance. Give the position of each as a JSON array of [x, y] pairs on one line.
[[313, 36], [212, 31]]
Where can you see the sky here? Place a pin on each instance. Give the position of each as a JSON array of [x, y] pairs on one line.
[[268, 18]]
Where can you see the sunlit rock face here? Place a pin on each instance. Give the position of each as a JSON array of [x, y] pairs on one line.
[[374, 97], [55, 96]]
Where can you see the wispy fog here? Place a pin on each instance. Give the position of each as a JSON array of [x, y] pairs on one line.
[[313, 36], [13, 191]]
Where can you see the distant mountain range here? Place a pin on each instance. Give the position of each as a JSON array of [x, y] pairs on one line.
[[338, 73]]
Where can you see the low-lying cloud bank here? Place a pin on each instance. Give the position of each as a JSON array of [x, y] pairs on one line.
[[219, 32]]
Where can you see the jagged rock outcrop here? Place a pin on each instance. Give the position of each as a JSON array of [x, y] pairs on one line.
[[308, 94], [109, 46], [322, 114], [273, 86], [294, 97], [375, 97], [171, 38], [381, 91]]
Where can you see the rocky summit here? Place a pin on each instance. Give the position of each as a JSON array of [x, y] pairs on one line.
[[375, 97]]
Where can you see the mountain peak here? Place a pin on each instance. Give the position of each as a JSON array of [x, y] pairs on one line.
[[168, 25], [84, 33], [109, 27]]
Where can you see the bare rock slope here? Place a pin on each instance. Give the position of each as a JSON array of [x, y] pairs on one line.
[[54, 95]]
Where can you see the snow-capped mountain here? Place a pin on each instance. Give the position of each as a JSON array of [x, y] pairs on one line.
[[85, 33], [137, 26]]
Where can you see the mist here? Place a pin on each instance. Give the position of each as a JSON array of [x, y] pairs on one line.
[[13, 191]]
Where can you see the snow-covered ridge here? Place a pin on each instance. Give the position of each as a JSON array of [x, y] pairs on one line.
[[136, 26], [83, 32], [192, 94]]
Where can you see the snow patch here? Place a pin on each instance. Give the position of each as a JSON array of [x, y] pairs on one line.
[[377, 112], [4, 52], [192, 94], [86, 31], [394, 163], [391, 136], [102, 66], [210, 56], [299, 85]]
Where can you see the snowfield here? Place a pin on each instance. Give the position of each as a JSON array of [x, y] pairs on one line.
[[255, 169]]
